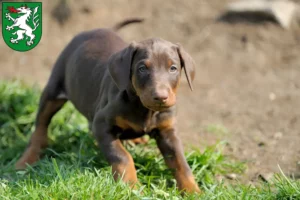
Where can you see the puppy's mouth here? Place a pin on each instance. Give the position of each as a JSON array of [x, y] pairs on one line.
[[158, 107]]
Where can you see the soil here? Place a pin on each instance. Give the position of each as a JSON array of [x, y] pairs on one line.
[[247, 86]]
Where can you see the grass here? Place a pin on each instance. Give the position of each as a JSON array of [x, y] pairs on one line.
[[73, 168]]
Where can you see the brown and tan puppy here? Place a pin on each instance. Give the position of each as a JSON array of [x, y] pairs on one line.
[[125, 91]]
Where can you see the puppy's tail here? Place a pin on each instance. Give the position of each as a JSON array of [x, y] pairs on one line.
[[120, 25]]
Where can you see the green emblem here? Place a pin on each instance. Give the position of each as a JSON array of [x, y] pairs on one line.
[[22, 24]]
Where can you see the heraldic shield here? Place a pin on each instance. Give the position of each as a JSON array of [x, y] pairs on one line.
[[22, 24]]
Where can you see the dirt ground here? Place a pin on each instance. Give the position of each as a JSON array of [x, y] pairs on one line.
[[247, 87]]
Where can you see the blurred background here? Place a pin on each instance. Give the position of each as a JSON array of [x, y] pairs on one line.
[[247, 85]]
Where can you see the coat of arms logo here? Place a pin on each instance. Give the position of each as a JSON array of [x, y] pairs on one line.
[[22, 24]]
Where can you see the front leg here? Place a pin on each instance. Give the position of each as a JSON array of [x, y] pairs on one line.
[[114, 152], [10, 27], [172, 151], [7, 15]]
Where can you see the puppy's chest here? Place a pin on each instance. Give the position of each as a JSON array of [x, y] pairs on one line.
[[144, 125]]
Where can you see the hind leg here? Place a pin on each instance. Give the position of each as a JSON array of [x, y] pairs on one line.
[[32, 36], [20, 34], [39, 140]]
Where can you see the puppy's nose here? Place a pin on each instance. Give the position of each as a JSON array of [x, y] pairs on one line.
[[161, 96]]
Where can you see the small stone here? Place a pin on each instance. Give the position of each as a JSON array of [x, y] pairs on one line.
[[231, 176], [282, 12], [272, 96], [278, 135]]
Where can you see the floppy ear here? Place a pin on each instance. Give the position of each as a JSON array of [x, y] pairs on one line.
[[119, 66], [188, 64]]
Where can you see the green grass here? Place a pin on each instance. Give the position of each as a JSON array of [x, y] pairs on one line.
[[73, 167]]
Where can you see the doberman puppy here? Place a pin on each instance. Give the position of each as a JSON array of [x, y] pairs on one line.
[[125, 91]]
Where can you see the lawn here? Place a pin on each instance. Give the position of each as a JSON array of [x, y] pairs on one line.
[[73, 167]]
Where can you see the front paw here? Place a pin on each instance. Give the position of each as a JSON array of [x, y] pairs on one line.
[[30, 156], [9, 28], [7, 16], [191, 189], [188, 185], [14, 41], [29, 43]]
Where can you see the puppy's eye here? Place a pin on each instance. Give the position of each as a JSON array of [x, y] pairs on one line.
[[173, 69], [142, 69]]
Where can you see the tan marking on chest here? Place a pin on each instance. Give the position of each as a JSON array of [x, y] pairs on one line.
[[166, 124], [125, 124]]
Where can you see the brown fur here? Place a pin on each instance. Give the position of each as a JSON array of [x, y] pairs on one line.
[[125, 91], [126, 170], [125, 124]]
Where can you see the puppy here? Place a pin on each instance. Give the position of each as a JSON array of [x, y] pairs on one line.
[[125, 91]]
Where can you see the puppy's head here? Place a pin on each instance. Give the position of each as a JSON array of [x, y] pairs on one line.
[[23, 9], [152, 68]]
